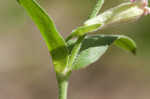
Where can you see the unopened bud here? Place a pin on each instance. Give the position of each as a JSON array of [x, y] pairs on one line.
[[126, 12]]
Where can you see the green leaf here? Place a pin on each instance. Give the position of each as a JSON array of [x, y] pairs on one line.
[[126, 43], [85, 29], [93, 47], [54, 40], [82, 30]]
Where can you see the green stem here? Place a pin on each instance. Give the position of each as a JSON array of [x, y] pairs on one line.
[[94, 13], [75, 51], [62, 86], [78, 44], [97, 8]]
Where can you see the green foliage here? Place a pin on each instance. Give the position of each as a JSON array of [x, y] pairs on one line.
[[93, 47], [54, 41], [126, 43], [84, 50], [82, 30], [78, 53]]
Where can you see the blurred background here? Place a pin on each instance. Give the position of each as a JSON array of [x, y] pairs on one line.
[[26, 70]]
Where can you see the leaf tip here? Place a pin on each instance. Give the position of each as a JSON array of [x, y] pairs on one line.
[[134, 51]]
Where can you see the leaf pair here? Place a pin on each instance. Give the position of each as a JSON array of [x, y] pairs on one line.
[[92, 47]]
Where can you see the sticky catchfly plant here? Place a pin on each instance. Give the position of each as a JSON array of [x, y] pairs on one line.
[[80, 49]]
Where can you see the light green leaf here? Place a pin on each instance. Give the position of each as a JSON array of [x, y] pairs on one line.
[[126, 43], [86, 28], [82, 30], [93, 47], [54, 41]]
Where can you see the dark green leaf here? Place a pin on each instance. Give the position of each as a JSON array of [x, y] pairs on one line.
[[54, 41], [93, 47]]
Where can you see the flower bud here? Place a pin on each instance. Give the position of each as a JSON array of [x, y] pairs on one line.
[[125, 12]]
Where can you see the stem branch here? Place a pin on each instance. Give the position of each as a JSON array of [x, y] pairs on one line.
[[63, 79], [78, 44], [97, 8]]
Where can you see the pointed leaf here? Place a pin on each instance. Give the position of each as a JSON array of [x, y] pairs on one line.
[[126, 43], [93, 47], [82, 30], [85, 29], [54, 41]]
